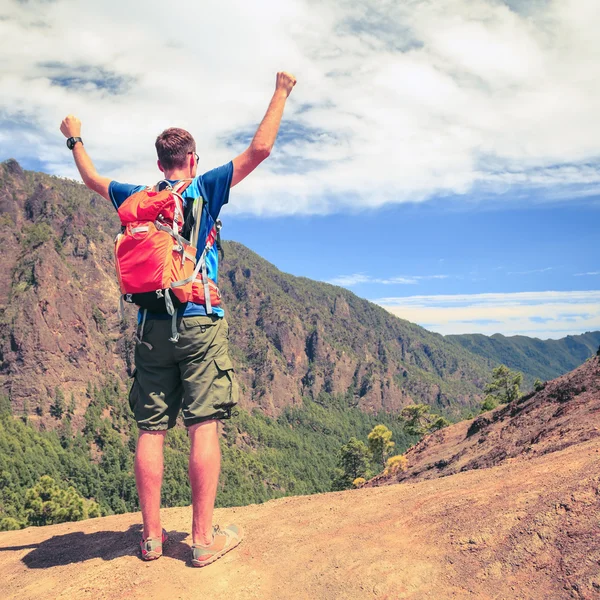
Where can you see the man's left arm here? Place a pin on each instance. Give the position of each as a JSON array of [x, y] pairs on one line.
[[265, 135]]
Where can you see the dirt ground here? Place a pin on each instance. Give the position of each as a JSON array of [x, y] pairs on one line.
[[527, 529]]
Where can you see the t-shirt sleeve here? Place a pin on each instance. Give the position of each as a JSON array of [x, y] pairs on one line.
[[119, 192], [216, 185]]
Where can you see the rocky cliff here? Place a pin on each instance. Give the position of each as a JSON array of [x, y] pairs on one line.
[[291, 337]]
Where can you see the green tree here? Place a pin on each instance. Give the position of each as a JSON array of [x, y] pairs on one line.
[[488, 404], [419, 420], [380, 444], [538, 385], [353, 463], [72, 405], [57, 408], [46, 503], [25, 415], [504, 388], [10, 524], [5, 405]]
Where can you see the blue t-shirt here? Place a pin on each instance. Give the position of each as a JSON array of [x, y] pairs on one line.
[[213, 186]]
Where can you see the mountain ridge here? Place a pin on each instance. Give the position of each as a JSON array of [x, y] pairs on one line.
[[535, 358], [291, 337]]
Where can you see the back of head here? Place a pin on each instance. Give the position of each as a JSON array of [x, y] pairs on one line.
[[173, 146]]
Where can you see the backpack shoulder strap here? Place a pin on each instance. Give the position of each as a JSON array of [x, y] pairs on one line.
[[182, 185]]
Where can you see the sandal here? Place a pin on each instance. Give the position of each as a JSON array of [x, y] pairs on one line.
[[152, 547], [224, 540]]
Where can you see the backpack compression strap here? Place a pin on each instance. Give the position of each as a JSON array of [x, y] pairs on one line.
[[200, 264]]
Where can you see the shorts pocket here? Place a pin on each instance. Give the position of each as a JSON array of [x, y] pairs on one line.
[[226, 389]]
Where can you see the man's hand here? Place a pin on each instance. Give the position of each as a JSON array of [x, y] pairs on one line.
[[71, 127], [285, 82]]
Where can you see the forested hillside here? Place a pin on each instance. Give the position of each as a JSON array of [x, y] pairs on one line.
[[535, 358], [263, 457]]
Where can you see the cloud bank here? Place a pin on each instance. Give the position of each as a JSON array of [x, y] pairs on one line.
[[537, 314], [395, 102]]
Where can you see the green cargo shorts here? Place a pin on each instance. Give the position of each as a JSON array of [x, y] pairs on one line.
[[194, 375]]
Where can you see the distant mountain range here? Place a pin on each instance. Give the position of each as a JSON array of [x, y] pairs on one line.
[[291, 337], [543, 359]]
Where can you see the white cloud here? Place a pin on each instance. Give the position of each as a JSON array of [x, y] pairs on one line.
[[361, 278], [589, 273], [395, 102], [531, 272], [538, 314]]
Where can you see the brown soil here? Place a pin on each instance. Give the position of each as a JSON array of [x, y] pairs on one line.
[[527, 529]]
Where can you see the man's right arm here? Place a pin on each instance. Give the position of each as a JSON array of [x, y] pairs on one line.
[[265, 135], [71, 127]]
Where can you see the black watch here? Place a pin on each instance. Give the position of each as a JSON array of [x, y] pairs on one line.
[[72, 141]]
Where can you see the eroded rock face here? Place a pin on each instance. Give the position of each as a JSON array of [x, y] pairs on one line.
[[290, 337], [59, 320]]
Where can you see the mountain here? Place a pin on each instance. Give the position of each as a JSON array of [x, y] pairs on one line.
[[535, 358], [566, 412], [291, 337]]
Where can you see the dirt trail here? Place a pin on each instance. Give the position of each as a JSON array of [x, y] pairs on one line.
[[527, 529]]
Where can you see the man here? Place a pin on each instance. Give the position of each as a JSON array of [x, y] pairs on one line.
[[195, 372]]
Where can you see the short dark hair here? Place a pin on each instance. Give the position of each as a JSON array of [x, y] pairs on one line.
[[172, 146]]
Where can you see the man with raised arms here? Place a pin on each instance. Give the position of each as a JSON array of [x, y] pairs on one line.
[[195, 373]]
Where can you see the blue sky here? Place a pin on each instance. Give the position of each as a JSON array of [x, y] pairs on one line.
[[439, 158], [450, 256]]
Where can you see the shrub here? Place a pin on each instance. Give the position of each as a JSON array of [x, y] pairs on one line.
[[10, 524], [396, 464], [37, 234], [46, 503]]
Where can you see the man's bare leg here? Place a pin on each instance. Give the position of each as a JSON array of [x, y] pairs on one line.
[[148, 477], [204, 469]]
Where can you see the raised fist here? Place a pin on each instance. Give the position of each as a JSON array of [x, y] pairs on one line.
[[71, 127], [285, 82]]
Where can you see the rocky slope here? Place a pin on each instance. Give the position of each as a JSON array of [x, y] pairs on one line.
[[291, 336], [565, 413], [524, 530]]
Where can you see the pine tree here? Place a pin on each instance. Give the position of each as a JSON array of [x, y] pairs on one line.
[[380, 444], [353, 463], [5, 405], [419, 420], [57, 408], [504, 388], [46, 503], [72, 405]]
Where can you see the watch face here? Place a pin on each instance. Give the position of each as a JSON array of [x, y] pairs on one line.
[[72, 141]]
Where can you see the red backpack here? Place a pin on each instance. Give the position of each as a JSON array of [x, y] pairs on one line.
[[156, 266]]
